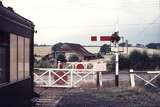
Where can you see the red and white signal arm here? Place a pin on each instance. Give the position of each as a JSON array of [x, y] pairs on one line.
[[101, 38], [99, 67]]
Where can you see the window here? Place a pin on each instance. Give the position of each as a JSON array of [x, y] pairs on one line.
[[13, 58], [27, 57], [19, 57], [4, 42]]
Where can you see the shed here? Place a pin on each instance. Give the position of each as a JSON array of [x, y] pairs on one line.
[[16, 59]]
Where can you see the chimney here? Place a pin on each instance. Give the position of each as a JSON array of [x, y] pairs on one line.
[[10, 9], [1, 4]]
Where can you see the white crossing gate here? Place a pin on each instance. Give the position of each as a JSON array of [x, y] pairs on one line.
[[134, 74], [52, 77]]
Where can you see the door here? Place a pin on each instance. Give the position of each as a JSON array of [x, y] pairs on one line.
[[3, 64]]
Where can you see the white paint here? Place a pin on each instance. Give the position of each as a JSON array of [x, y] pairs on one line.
[[99, 67], [132, 80], [117, 59]]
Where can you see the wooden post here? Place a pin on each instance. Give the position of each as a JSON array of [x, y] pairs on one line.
[[59, 63], [99, 79], [49, 74], [71, 74], [132, 79]]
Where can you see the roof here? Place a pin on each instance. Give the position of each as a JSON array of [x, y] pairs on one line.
[[12, 22], [70, 47]]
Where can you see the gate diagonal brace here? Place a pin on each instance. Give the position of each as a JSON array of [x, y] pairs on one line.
[[146, 81], [81, 77], [60, 77], [41, 74], [40, 78], [152, 79]]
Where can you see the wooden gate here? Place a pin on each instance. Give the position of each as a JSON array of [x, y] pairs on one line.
[[50, 77], [134, 74]]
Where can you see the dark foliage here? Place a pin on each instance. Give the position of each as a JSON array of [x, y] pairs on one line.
[[99, 55], [73, 58], [137, 61], [56, 47], [61, 58], [124, 62], [105, 49]]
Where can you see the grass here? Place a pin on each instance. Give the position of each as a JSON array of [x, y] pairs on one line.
[[122, 96]]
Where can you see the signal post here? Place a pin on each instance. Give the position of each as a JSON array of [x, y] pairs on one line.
[[114, 39]]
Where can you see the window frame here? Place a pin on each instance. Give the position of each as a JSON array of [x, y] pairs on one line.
[[6, 46]]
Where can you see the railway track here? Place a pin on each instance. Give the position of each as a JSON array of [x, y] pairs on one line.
[[49, 97]]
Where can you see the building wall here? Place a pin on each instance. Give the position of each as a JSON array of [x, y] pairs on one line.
[[68, 54]]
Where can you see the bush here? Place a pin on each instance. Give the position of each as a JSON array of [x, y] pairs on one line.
[[137, 61], [111, 65], [61, 58], [105, 49], [124, 62], [155, 61], [99, 55], [73, 58]]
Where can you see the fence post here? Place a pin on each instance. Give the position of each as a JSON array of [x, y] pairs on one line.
[[71, 73], [100, 79], [59, 63], [132, 79], [49, 74]]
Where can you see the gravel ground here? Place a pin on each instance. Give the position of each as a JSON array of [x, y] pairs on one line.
[[110, 97], [88, 95], [49, 97]]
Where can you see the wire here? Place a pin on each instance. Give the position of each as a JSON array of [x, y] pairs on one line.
[[153, 22], [91, 26]]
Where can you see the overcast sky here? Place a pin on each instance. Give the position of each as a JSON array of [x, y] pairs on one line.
[[76, 20]]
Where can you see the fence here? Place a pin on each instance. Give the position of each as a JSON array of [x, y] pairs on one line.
[[65, 77], [134, 74]]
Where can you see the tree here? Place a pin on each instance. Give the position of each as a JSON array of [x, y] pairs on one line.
[[73, 58], [61, 57], [155, 61], [105, 49], [135, 58], [153, 45], [56, 47], [122, 44], [139, 61], [124, 62]]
